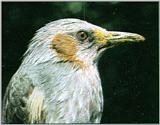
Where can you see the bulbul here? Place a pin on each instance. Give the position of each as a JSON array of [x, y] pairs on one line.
[[58, 79]]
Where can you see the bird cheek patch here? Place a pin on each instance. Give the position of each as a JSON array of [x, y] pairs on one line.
[[64, 44], [66, 47]]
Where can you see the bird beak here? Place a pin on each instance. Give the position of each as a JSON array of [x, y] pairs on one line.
[[114, 37], [107, 39]]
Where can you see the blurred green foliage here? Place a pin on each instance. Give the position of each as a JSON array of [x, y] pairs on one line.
[[129, 73]]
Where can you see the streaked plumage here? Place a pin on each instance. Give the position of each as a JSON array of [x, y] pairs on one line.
[[58, 80]]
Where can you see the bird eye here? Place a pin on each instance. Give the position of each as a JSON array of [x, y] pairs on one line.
[[82, 35]]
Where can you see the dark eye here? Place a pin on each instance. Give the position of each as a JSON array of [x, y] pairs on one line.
[[82, 35]]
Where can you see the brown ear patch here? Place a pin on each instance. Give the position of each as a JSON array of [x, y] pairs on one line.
[[66, 47], [64, 44]]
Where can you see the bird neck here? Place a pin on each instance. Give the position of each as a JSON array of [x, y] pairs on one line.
[[76, 91], [73, 93]]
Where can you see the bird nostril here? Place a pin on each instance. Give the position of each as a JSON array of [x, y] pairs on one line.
[[115, 34]]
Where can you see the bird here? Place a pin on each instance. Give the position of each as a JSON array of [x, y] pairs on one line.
[[58, 80]]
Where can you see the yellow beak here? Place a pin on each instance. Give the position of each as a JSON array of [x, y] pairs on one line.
[[120, 37]]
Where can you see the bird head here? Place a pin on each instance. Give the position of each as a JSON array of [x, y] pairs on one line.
[[75, 41]]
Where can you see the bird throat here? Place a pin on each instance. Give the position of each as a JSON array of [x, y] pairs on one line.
[[78, 97]]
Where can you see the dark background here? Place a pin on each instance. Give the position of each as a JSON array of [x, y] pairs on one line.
[[129, 73]]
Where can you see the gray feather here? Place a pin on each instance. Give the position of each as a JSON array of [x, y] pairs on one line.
[[66, 93]]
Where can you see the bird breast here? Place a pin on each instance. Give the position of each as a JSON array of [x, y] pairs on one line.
[[77, 98]]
